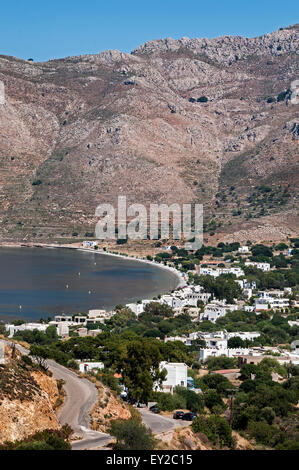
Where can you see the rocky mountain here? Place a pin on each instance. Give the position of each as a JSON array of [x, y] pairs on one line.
[[192, 120]]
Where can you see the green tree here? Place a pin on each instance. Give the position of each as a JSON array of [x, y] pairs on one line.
[[140, 368], [131, 435], [216, 428], [221, 362]]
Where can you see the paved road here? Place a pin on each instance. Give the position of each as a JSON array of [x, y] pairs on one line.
[[81, 396], [158, 423]]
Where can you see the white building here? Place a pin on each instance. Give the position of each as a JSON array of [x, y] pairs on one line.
[[244, 284], [185, 297], [205, 353], [12, 329], [280, 303], [176, 375], [243, 249], [238, 272], [89, 244], [244, 335], [267, 303], [183, 339], [96, 313], [209, 272], [98, 316], [138, 308], [216, 343], [63, 329], [216, 310], [269, 294], [80, 319], [61, 318], [89, 366], [263, 266], [249, 308], [247, 293], [194, 313]]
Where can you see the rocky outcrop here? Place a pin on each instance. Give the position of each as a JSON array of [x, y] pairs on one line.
[[26, 402], [186, 439], [108, 408], [227, 49]]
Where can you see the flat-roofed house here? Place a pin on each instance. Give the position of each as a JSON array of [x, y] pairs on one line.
[[176, 376]]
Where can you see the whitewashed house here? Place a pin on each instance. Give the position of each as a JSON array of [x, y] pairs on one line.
[[214, 342], [243, 249], [248, 308], [209, 272], [138, 308], [89, 366], [63, 329], [267, 303], [244, 335], [205, 353], [216, 310], [176, 375], [80, 319], [262, 266], [12, 329], [238, 272], [89, 244], [269, 294], [183, 339], [63, 318]]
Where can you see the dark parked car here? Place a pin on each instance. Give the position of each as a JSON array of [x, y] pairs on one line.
[[154, 409], [178, 415], [189, 416]]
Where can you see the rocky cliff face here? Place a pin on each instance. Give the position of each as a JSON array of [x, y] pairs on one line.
[[26, 402], [80, 131]]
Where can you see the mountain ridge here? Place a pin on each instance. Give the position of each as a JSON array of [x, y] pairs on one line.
[[79, 131]]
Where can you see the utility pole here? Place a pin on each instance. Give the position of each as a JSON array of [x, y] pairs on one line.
[[231, 398]]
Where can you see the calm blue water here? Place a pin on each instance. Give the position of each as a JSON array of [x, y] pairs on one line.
[[36, 279]]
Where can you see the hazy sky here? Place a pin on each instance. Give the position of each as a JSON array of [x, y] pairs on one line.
[[51, 29]]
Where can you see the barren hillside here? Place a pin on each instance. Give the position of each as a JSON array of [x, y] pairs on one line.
[[27, 400], [80, 131]]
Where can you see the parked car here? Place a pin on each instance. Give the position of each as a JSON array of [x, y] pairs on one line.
[[154, 409], [189, 416], [178, 415], [141, 405]]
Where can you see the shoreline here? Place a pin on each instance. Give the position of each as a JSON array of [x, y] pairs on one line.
[[178, 275], [176, 272]]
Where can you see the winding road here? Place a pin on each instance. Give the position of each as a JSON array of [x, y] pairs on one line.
[[81, 396]]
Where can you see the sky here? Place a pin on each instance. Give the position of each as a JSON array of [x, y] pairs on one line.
[[44, 30]]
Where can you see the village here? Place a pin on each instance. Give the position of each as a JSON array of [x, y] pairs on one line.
[[203, 308]]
